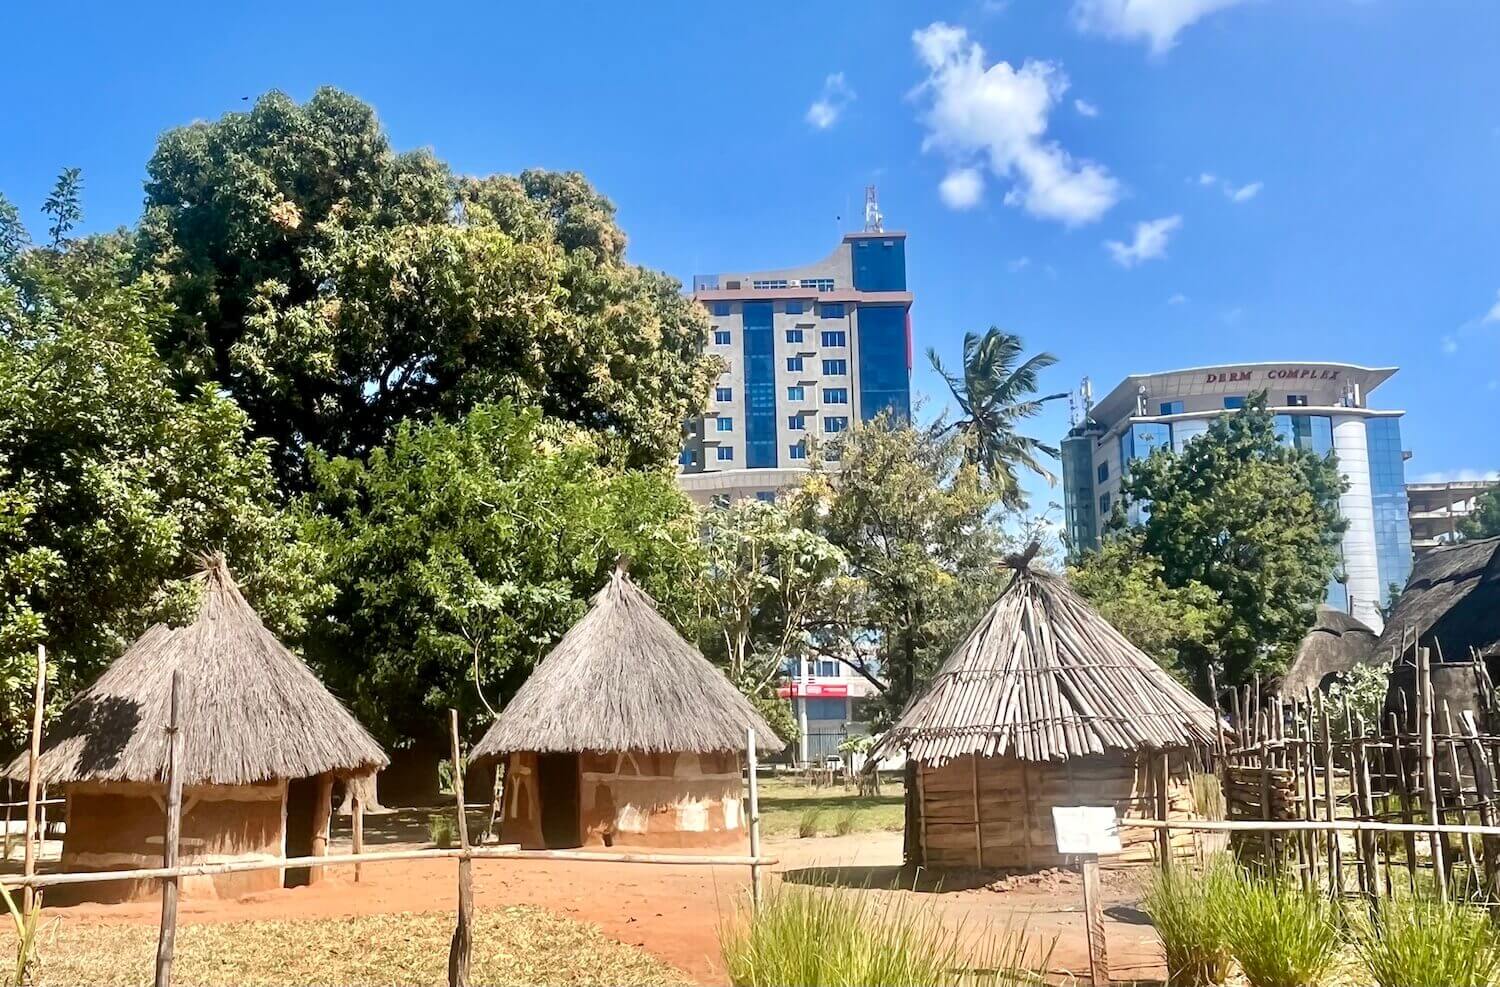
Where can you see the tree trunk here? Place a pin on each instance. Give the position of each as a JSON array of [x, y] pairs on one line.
[[365, 786]]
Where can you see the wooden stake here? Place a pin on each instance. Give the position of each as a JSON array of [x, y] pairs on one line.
[[1484, 783], [322, 822], [1093, 910], [358, 808], [1330, 807], [1163, 809], [1213, 688], [978, 827], [753, 783], [1451, 750], [1403, 794], [459, 949], [1429, 770], [166, 943], [38, 703]]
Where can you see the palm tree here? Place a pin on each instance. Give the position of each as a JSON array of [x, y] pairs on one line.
[[994, 396]]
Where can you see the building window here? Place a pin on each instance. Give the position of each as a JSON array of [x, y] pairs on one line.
[[827, 668], [1171, 408], [835, 368], [794, 335], [825, 709], [769, 285], [1296, 400], [1103, 471], [688, 457], [831, 310], [798, 451], [794, 306], [723, 394], [1103, 504], [1234, 403], [766, 496], [796, 423], [835, 337], [1142, 440], [835, 395], [721, 308], [796, 393], [794, 364], [817, 284], [721, 337], [725, 424], [725, 454], [835, 423]]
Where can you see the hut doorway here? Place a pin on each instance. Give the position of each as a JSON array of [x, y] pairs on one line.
[[557, 793], [301, 801]]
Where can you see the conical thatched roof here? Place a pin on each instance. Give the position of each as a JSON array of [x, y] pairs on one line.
[[1336, 643], [1451, 604], [623, 679], [248, 708], [1043, 677]]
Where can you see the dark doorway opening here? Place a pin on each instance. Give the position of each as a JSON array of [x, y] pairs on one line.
[[557, 791], [301, 799]]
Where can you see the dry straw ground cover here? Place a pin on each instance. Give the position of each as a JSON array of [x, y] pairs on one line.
[[515, 945]]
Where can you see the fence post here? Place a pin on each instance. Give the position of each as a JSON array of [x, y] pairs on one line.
[[1163, 809], [1330, 804], [358, 824], [28, 867], [458, 950], [1484, 784], [1429, 771], [166, 943], [753, 767]]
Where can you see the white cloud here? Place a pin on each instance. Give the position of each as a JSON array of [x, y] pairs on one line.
[[1177, 299], [1450, 345], [1493, 385], [831, 103], [1244, 193], [1459, 476], [962, 188], [1207, 178], [997, 115], [1149, 242], [1157, 22], [1085, 108], [1018, 265], [1493, 315]]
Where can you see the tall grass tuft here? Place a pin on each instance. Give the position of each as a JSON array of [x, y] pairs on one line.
[[1192, 911], [825, 937], [843, 824], [807, 825], [1282, 935], [1422, 941], [1207, 794]]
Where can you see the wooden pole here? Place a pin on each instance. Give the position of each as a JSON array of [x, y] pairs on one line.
[[1330, 805], [753, 782], [1454, 771], [166, 943], [358, 807], [462, 944], [9, 796], [1163, 809], [1429, 770], [1484, 784], [322, 822], [1213, 688], [38, 703], [1093, 910], [978, 827], [1403, 795]]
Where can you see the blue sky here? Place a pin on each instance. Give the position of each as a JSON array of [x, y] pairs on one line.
[[1134, 185]]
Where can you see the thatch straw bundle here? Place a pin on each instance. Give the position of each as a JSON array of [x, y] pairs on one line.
[[622, 679], [1043, 677], [1336, 643], [250, 710]]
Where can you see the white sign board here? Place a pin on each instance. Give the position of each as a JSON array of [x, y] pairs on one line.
[[1084, 829]]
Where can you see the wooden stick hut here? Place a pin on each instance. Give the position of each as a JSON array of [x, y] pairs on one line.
[[263, 741], [1043, 704], [623, 735]]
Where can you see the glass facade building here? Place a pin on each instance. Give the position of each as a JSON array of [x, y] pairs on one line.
[[760, 386], [1388, 497]]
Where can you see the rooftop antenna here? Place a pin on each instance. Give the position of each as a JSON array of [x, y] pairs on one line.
[[1086, 390], [874, 222]]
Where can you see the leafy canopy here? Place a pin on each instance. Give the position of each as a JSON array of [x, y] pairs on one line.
[[1484, 521]]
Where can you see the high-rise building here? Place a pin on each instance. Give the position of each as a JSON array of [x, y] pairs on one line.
[[807, 352], [1318, 406], [1439, 509]]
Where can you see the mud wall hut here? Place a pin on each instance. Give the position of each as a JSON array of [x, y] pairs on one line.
[[263, 742], [1044, 704], [623, 735]]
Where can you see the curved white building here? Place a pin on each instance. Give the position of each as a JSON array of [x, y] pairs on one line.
[[1318, 406]]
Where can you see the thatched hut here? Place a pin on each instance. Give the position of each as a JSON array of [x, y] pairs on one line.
[[263, 741], [1044, 704], [623, 734], [1336, 643]]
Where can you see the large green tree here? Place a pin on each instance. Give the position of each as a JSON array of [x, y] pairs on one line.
[[1252, 518], [1484, 522], [336, 288], [996, 392], [111, 483], [461, 551]]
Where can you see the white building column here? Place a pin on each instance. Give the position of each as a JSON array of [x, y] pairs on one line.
[[802, 728], [1356, 507]]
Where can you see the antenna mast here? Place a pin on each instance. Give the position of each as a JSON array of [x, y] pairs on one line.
[[874, 222]]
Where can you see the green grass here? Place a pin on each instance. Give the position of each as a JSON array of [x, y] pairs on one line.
[[1282, 935], [1422, 941], [821, 938], [785, 803], [1192, 911]]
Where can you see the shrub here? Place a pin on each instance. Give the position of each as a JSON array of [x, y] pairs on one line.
[[808, 824], [1281, 934], [441, 828], [1192, 911], [1422, 941], [824, 937], [844, 824]]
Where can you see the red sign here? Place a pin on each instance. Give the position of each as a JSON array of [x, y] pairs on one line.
[[812, 690], [1277, 373]]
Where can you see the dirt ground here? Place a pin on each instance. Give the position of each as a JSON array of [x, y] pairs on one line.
[[674, 912]]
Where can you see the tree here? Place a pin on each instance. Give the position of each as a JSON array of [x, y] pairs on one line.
[[335, 288], [461, 551], [922, 549], [764, 580], [1484, 521], [65, 205], [111, 485], [1255, 521], [995, 395]]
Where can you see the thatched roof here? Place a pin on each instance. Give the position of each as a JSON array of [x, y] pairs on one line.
[[623, 679], [1043, 677], [1336, 643], [248, 708], [1451, 604]]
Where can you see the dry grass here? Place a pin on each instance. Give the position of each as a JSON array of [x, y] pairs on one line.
[[516, 945], [787, 807]]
